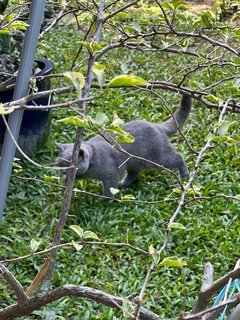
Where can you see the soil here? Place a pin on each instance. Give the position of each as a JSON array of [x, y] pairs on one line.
[[204, 5]]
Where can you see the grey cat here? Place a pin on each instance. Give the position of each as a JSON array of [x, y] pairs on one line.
[[100, 160]]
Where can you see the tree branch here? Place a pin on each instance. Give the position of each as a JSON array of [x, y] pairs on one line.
[[69, 245], [214, 310], [120, 10], [71, 173], [40, 300], [207, 276], [15, 285], [206, 295]]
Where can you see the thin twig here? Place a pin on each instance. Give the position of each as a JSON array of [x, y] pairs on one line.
[[69, 245]]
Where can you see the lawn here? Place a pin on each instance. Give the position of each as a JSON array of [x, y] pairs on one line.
[[211, 233]]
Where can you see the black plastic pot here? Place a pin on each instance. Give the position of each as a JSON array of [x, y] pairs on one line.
[[35, 124]]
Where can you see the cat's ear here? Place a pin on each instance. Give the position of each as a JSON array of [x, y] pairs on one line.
[[82, 153], [61, 146]]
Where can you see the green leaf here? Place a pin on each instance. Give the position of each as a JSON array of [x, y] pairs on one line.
[[86, 45], [176, 3], [51, 178], [98, 71], [185, 45], [34, 245], [128, 197], [177, 191], [195, 189], [101, 118], [237, 32], [126, 80], [114, 191], [165, 44], [122, 16], [154, 253], [6, 111], [127, 309], [229, 140], [212, 99], [78, 230], [167, 5], [125, 138], [92, 46], [176, 225], [63, 4], [207, 18], [121, 135], [77, 79], [225, 125], [17, 165], [90, 235], [15, 24], [116, 121], [76, 245], [210, 137], [76, 121], [133, 27], [172, 262]]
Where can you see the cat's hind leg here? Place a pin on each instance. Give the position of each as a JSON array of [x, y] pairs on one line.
[[130, 178]]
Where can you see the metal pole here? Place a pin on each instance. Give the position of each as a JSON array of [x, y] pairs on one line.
[[21, 88]]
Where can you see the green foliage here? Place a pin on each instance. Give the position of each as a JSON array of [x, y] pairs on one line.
[[142, 218], [126, 81], [172, 262], [84, 235], [127, 309], [34, 245], [98, 70], [77, 79], [102, 125], [11, 38], [208, 19], [176, 225], [227, 9]]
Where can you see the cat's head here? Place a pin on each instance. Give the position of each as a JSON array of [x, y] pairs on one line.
[[65, 156]]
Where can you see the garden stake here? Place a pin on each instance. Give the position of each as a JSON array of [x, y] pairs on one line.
[[21, 88]]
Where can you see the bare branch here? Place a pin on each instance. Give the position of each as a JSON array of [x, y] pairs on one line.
[[15, 285], [196, 168], [207, 276], [218, 196], [215, 84], [69, 245], [205, 296], [38, 301], [214, 310], [120, 10], [71, 174]]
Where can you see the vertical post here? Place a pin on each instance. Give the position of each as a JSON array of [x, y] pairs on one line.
[[21, 88]]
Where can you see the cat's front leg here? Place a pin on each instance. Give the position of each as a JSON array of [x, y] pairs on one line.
[[109, 183], [183, 170]]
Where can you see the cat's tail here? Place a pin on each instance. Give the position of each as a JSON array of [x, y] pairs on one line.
[[172, 125]]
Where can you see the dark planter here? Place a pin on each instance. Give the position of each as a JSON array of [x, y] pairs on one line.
[[35, 124]]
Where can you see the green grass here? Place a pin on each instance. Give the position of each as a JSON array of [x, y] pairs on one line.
[[212, 227]]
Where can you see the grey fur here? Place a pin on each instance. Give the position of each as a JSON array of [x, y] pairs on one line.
[[99, 160]]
